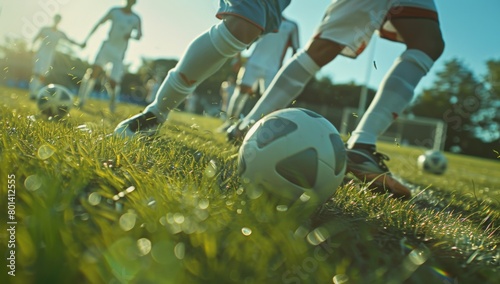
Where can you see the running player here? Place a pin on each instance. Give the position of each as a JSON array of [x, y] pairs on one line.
[[242, 22], [49, 37], [260, 68], [123, 23], [346, 29]]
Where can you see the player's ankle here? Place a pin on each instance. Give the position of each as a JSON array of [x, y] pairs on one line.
[[362, 146]]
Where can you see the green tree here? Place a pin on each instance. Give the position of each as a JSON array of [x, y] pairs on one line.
[[468, 106]]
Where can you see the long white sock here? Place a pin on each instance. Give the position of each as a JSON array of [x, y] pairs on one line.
[[234, 108], [205, 55], [395, 93], [86, 87], [35, 85], [285, 87]]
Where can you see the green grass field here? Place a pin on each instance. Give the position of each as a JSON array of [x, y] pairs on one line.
[[92, 208]]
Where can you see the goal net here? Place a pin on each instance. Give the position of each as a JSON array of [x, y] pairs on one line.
[[406, 130]]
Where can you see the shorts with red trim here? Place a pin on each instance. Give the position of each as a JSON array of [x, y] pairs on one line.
[[353, 23], [264, 14]]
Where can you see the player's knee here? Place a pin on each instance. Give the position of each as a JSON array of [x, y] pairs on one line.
[[323, 51], [437, 48], [241, 29], [419, 58], [432, 46], [224, 41]]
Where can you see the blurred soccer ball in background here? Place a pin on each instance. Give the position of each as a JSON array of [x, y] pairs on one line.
[[54, 101], [432, 162], [295, 154]]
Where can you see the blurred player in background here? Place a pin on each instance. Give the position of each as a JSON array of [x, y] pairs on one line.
[[124, 22], [264, 62], [226, 91], [242, 22], [49, 38], [346, 29]]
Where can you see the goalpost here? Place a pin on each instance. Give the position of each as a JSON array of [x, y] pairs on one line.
[[406, 130]]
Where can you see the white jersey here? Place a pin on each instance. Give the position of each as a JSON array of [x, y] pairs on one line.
[[270, 50], [50, 39], [113, 49], [122, 25], [45, 54]]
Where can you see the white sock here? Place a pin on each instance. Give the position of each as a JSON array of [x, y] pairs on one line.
[[395, 93], [35, 86], [86, 87], [204, 56], [285, 87], [235, 104], [113, 93]]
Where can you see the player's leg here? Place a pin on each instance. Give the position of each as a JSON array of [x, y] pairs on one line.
[[113, 84], [88, 83], [35, 85], [424, 45], [289, 82], [42, 65], [240, 26]]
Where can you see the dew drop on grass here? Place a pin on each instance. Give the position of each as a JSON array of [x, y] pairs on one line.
[[211, 169], [418, 256], [304, 197], [317, 236], [45, 152], [151, 202], [203, 204], [180, 250], [340, 279], [94, 198], [178, 218], [127, 221], [254, 192], [144, 246], [32, 183], [246, 231], [282, 208]]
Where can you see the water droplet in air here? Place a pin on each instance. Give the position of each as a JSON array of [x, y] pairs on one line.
[[144, 246], [33, 183], [45, 152], [127, 221], [340, 279], [203, 204], [94, 198], [246, 231]]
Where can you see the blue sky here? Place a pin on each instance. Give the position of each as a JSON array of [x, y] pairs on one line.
[[470, 28]]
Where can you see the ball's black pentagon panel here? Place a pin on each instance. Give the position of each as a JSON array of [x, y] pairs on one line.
[[300, 169], [340, 152], [311, 113], [273, 129]]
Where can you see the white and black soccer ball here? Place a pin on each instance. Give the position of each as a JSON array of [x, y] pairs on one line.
[[54, 100], [295, 154], [432, 162]]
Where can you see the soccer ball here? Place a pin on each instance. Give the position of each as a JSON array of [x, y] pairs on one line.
[[54, 100], [295, 154], [433, 162]]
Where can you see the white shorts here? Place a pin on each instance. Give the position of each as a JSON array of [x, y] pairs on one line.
[[254, 76], [352, 23], [43, 62], [110, 54]]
